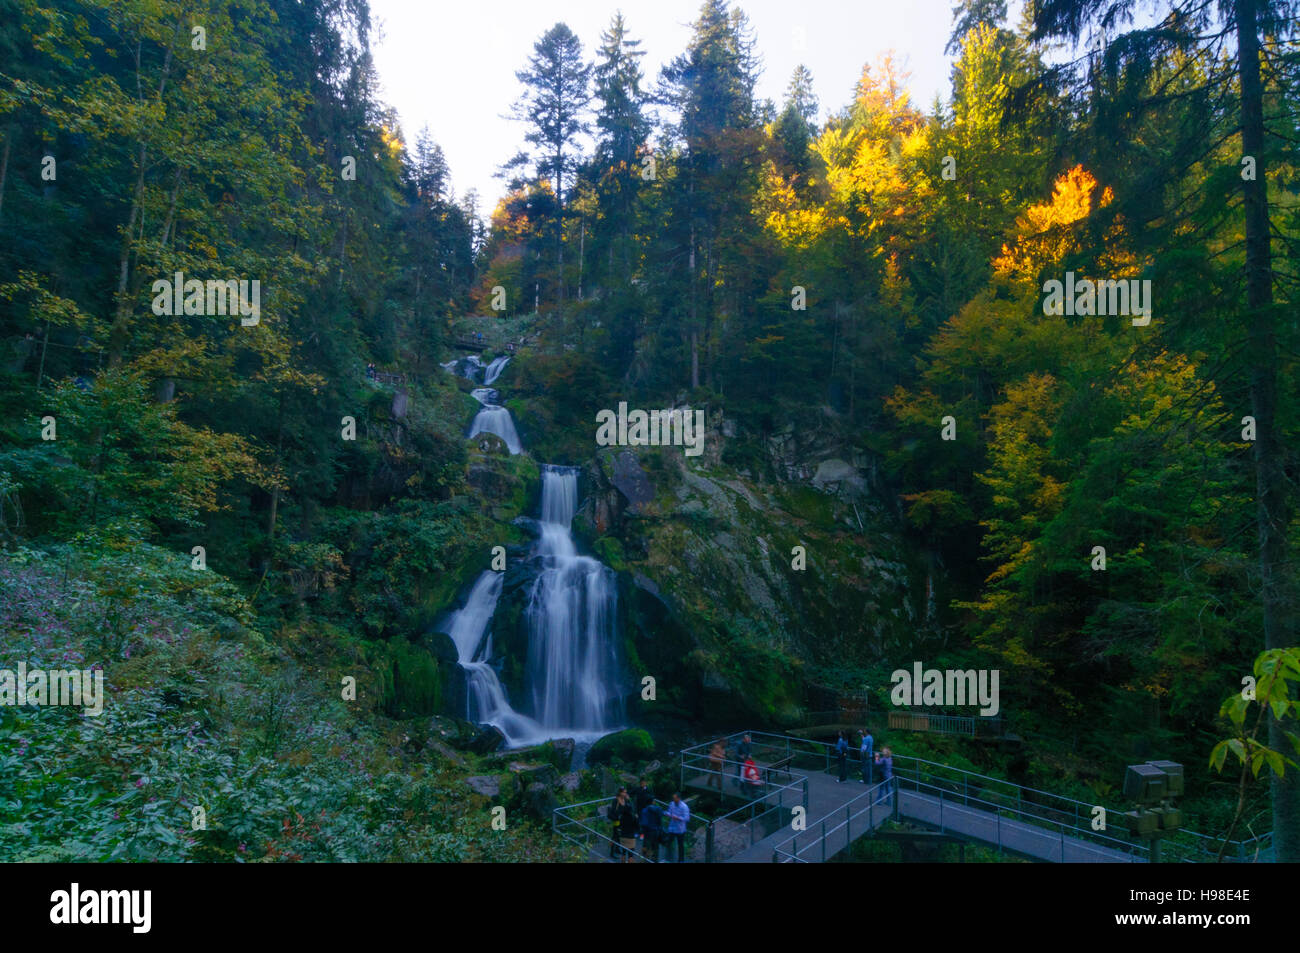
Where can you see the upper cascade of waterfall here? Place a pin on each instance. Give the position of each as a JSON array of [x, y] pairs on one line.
[[493, 370], [472, 368], [493, 418], [559, 494]]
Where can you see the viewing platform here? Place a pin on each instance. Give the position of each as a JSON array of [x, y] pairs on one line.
[[799, 812]]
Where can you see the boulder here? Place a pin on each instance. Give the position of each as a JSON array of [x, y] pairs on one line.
[[488, 739], [628, 746], [562, 752], [453, 731], [449, 753], [571, 781], [485, 784], [490, 443], [526, 775], [540, 802]]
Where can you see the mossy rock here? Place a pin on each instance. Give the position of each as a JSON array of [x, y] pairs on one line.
[[628, 746], [412, 685]]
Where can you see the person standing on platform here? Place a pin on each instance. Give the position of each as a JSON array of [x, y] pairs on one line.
[[679, 813], [886, 761], [866, 753], [744, 751], [842, 756], [717, 755]]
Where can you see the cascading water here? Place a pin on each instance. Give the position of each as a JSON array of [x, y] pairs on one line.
[[572, 655], [573, 669], [493, 370], [485, 697], [494, 418]]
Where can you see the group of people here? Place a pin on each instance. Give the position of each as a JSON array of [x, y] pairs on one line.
[[370, 371], [868, 756], [641, 826], [747, 773]]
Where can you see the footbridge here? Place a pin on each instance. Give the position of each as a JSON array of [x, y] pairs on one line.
[[798, 811]]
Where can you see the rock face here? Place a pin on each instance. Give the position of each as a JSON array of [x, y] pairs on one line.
[[486, 784], [631, 480], [488, 481], [840, 476]]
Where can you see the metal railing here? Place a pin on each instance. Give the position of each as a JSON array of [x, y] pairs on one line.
[[973, 726], [1006, 800], [575, 823], [763, 816], [1027, 815], [878, 803], [1193, 847]]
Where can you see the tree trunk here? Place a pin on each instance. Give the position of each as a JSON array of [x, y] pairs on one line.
[[4, 166], [1270, 479], [117, 334], [695, 335], [559, 233]]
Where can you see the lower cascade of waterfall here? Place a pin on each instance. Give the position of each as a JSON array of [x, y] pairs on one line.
[[572, 610], [572, 675], [485, 697]]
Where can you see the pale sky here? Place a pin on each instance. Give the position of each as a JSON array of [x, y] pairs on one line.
[[452, 65]]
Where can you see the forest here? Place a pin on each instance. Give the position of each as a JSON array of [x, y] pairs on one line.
[[1004, 381]]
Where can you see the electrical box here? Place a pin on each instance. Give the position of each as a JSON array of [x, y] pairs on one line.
[[1145, 784], [1141, 823], [1173, 772]]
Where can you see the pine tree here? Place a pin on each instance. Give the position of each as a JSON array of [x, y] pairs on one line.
[[554, 104]]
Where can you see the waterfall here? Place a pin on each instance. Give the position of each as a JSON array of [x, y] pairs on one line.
[[572, 651], [573, 673], [493, 370], [485, 697], [494, 418], [474, 369]]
